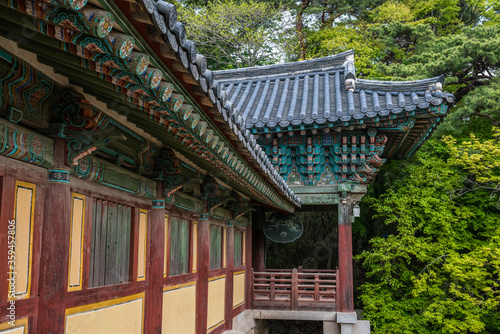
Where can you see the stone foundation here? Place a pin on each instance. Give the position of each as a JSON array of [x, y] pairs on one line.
[[255, 321]]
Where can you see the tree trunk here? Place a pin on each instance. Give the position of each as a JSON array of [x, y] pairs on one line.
[[299, 28]]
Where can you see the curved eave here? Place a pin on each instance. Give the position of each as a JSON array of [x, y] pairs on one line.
[[169, 44]]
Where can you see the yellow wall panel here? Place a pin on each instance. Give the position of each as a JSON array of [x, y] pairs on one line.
[[195, 247], [179, 310], [216, 301], [20, 327], [23, 215], [76, 245], [13, 330], [141, 258], [238, 289], [122, 315]]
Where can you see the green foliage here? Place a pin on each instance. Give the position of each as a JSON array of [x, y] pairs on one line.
[[439, 269], [469, 59], [340, 38], [233, 33], [392, 11], [476, 113]]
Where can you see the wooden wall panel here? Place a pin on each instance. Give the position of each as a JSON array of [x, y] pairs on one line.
[[243, 248], [110, 258], [224, 248], [166, 248], [110, 245], [127, 245], [102, 225]]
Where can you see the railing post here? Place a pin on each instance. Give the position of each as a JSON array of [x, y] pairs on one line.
[[294, 295], [316, 287], [337, 289], [272, 287]]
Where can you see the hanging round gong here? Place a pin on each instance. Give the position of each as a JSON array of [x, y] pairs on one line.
[[283, 229]]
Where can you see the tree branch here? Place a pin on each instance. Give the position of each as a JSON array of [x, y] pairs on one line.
[[493, 121]]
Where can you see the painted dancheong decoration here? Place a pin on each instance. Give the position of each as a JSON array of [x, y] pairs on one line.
[[321, 126], [135, 177]]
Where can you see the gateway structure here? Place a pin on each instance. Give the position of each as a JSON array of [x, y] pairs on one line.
[[129, 172], [327, 133]]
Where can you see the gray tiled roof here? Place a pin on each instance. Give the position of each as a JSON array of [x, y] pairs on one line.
[[319, 91]]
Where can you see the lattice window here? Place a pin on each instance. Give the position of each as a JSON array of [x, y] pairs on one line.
[[179, 246], [215, 247], [238, 242]]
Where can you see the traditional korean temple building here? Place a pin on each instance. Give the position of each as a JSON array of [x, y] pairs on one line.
[[129, 173]]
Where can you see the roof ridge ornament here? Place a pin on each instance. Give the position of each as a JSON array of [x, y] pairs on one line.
[[350, 73], [436, 87]]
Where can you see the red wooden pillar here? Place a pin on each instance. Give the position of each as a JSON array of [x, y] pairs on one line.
[[258, 249], [203, 269], [248, 268], [345, 297], [156, 260], [53, 283], [228, 315]]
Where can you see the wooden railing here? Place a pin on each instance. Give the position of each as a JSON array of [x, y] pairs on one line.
[[302, 289]]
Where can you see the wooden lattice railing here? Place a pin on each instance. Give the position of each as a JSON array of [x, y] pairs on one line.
[[295, 289]]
